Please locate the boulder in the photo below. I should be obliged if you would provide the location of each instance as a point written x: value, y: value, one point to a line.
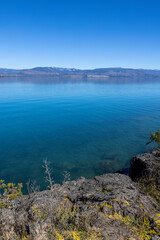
x: 145, y: 165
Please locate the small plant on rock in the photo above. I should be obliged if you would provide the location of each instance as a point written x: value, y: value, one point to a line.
x: 48, y: 173
x: 155, y: 137
x: 9, y: 192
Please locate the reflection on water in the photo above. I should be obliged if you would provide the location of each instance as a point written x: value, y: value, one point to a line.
x: 60, y: 80
x: 87, y: 128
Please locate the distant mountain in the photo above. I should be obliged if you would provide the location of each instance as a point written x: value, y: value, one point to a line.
x: 102, y: 73
x: 8, y: 70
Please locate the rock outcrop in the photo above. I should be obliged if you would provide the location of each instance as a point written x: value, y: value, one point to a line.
x: 145, y: 165
x: 108, y: 207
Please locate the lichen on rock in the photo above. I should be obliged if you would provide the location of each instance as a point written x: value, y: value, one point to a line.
x: 109, y: 207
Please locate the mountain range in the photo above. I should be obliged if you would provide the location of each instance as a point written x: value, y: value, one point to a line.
x: 103, y: 73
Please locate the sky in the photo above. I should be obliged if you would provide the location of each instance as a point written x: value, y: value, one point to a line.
x: 80, y: 34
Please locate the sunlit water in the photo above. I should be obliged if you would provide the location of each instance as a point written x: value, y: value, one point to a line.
x: 85, y: 128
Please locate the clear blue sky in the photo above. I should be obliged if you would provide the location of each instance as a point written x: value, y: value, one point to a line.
x: 81, y: 34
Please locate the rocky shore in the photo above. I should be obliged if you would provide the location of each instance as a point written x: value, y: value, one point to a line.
x: 109, y: 207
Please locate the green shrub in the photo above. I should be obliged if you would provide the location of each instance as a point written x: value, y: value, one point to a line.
x: 155, y: 137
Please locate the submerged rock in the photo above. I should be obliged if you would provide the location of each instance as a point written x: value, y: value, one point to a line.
x: 125, y: 171
x: 104, y: 166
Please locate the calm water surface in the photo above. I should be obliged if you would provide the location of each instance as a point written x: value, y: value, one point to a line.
x: 84, y: 128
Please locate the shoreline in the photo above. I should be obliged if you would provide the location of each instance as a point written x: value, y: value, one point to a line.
x: 105, y: 207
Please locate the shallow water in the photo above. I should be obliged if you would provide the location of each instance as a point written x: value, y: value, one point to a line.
x: 84, y: 128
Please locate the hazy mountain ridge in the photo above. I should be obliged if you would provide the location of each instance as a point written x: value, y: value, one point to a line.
x: 89, y: 73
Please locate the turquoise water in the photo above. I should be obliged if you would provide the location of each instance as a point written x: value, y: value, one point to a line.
x: 84, y: 128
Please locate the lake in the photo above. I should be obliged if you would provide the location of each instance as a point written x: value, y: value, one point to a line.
x: 83, y: 127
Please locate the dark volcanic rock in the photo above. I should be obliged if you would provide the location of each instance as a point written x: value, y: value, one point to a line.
x: 145, y: 165
x: 105, y: 207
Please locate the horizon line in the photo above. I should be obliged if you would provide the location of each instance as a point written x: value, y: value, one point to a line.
x: 128, y: 68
